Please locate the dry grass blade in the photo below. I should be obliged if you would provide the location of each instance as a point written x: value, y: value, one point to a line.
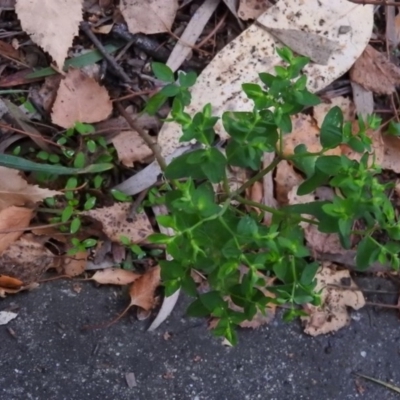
x: 387, y: 385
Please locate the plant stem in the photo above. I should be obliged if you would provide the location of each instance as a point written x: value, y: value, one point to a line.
x: 272, y: 210
x: 257, y: 176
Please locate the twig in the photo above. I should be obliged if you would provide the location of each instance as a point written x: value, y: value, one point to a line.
x: 135, y: 205
x: 144, y: 135
x: 85, y: 26
x: 382, y: 305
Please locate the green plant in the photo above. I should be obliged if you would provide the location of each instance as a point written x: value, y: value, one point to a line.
x: 81, y: 246
x: 217, y: 238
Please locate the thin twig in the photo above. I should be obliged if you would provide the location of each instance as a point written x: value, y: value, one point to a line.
x: 144, y: 135
x: 135, y: 205
x: 85, y: 26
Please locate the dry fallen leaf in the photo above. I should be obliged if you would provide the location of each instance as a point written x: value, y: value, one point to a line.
x: 149, y: 17
x: 373, y: 71
x: 338, y: 292
x: 27, y: 259
x: 117, y: 222
x: 15, y: 191
x: 114, y: 276
x: 142, y: 290
x: 252, y: 9
x: 75, y: 265
x: 13, y: 218
x: 286, y: 178
x: 8, y: 282
x: 51, y: 24
x: 6, y: 317
x: 391, y: 151
x: 131, y: 148
x: 80, y: 99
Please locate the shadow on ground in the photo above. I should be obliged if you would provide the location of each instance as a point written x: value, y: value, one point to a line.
x: 50, y: 357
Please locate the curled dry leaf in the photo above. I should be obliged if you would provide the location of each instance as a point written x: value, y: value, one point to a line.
x: 338, y: 292
x: 80, y: 99
x: 114, y: 276
x: 117, y: 222
x: 8, y: 282
x: 13, y: 218
x: 27, y: 259
x: 142, y: 290
x: 373, y: 71
x: 15, y: 191
x: 149, y: 17
x: 252, y: 9
x: 76, y: 264
x: 51, y: 24
x: 131, y: 148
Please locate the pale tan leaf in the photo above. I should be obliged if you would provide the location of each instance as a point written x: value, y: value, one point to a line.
x: 149, y: 16
x: 15, y: 191
x: 338, y: 292
x: 6, y: 317
x: 27, y: 259
x: 363, y: 100
x: 193, y: 30
x: 116, y: 222
x: 8, y: 282
x: 305, y: 131
x: 373, y: 71
x: 80, y: 99
x: 142, y: 290
x: 13, y: 218
x: 114, y: 276
x: 252, y: 9
x: 131, y: 148
x: 51, y: 24
x: 75, y: 265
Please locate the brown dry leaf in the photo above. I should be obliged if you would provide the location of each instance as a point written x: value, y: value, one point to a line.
x: 80, y: 99
x: 256, y: 194
x: 286, y: 178
x: 305, y: 131
x: 75, y: 265
x: 15, y: 191
x: 338, y: 292
x: 5, y: 291
x: 10, y: 283
x: 344, y: 103
x: 391, y: 151
x: 131, y: 148
x: 142, y: 290
x: 114, y: 276
x: 48, y: 92
x: 375, y: 72
x: 13, y: 218
x: 27, y: 259
x: 252, y: 9
x: 51, y: 24
x: 144, y: 16
x: 117, y: 222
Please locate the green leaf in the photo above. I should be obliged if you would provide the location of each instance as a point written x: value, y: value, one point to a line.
x: 84, y: 129
x: 303, y: 161
x: 159, y: 238
x: 67, y: 213
x: 212, y: 301
x: 331, y: 129
x: 214, y: 166
x: 308, y: 274
x: 81, y: 61
x: 318, y: 179
x: 394, y: 128
x: 197, y: 309
x: 247, y: 226
x: 170, y: 90
x: 79, y: 160
x: 90, y: 203
x: 75, y: 225
x: 162, y: 72
x: 120, y: 196
x: 187, y: 79
x: 367, y: 253
x: 87, y: 243
x: 180, y: 167
x: 155, y: 103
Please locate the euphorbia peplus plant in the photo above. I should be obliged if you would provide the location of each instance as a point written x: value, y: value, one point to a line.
x: 216, y: 237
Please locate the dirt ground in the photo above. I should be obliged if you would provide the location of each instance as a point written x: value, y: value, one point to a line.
x: 46, y: 355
